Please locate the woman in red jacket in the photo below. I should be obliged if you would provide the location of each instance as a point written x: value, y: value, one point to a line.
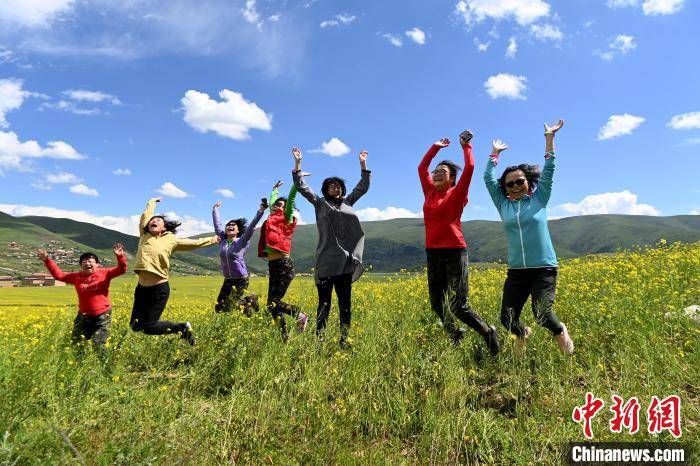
x: 92, y: 286
x: 448, y: 261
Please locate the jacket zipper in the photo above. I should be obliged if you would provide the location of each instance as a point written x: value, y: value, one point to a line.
x: 228, y: 266
x: 520, y: 230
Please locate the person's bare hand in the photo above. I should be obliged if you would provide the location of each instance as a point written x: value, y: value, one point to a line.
x: 118, y: 249
x: 444, y: 142
x: 42, y: 254
x: 551, y: 130
x: 303, y: 174
x: 363, y: 156
x: 278, y: 184
x: 465, y: 137
x: 217, y: 204
x: 296, y: 153
x: 498, y: 146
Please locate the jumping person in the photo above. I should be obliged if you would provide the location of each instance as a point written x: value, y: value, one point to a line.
x: 275, y: 245
x: 157, y: 242
x: 234, y: 240
x: 446, y: 249
x: 92, y: 286
x: 340, y: 242
x: 521, y: 195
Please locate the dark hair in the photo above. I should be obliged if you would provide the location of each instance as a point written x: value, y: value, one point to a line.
x: 453, y: 167
x: 333, y: 179
x: 281, y: 199
x: 87, y: 255
x: 241, y: 223
x: 170, y: 225
x: 532, y: 174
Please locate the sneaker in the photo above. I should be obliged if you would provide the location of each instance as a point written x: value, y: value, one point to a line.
x: 187, y: 334
x: 458, y: 335
x: 491, y: 339
x: 566, y: 346
x: 302, y: 320
x: 520, y: 342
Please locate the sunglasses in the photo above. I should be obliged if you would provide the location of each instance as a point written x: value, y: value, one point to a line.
x: 519, y: 182
x: 437, y: 171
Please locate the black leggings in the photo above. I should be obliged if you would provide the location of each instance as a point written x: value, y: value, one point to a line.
x: 232, y: 295
x: 281, y: 276
x: 149, y: 303
x: 448, y: 285
x: 343, y: 289
x: 541, y: 284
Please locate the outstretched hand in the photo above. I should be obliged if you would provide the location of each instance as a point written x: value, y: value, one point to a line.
x: 303, y: 174
x: 550, y: 130
x: 363, y: 156
x: 498, y: 146
x: 217, y: 205
x: 444, y: 142
x: 118, y: 249
x: 278, y: 184
x: 296, y: 153
x: 42, y: 254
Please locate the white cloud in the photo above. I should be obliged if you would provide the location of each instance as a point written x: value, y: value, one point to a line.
x: 623, y: 202
x: 12, y: 96
x: 169, y: 189
x: 481, y: 46
x: 91, y: 96
x: 370, y: 214
x: 33, y: 13
x: 650, y: 7
x: 685, y: 121
x: 334, y: 147
x: 339, y: 19
x: 522, y: 11
x: 512, y: 48
x: 41, y: 186
x: 619, y: 125
x: 225, y: 192
x: 70, y: 107
x: 694, y: 212
x: 506, y: 85
x: 393, y: 39
x: 416, y: 35
x: 274, y: 18
x: 130, y: 225
x: 622, y: 3
x: 13, y: 152
x: 122, y: 171
x: 250, y: 13
x: 84, y: 190
x: 62, y: 178
x: 618, y: 45
x: 662, y: 7
x: 233, y: 117
x: 546, y: 32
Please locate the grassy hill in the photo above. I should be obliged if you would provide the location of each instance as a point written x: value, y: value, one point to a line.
x: 65, y: 239
x: 390, y: 245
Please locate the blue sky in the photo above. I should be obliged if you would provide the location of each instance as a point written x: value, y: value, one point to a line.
x: 191, y: 97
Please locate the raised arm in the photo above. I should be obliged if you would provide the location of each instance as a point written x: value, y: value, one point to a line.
x: 544, y: 185
x: 147, y: 214
x: 216, y: 218
x: 298, y: 177
x: 250, y: 229
x: 290, y: 206
x: 424, y: 166
x: 490, y: 179
x: 363, y: 185
x: 275, y: 194
x: 120, y: 269
x: 462, y: 188
x: 186, y: 244
x: 55, y: 270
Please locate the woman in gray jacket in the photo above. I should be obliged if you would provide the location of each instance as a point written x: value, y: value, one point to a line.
x: 340, y: 242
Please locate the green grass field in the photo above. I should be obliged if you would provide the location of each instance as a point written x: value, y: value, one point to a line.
x: 402, y: 395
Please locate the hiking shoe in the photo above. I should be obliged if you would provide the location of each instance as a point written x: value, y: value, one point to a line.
x: 566, y: 346
x: 457, y: 335
x: 302, y: 320
x: 491, y: 339
x: 187, y: 334
x: 520, y: 342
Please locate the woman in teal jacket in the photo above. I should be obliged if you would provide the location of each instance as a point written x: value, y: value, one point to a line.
x: 521, y: 195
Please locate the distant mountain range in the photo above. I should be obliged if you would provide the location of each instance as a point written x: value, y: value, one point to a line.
x: 390, y: 245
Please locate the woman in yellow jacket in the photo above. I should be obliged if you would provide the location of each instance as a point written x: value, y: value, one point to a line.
x: 157, y: 241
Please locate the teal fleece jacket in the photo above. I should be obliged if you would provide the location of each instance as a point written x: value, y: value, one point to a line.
x: 525, y: 220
